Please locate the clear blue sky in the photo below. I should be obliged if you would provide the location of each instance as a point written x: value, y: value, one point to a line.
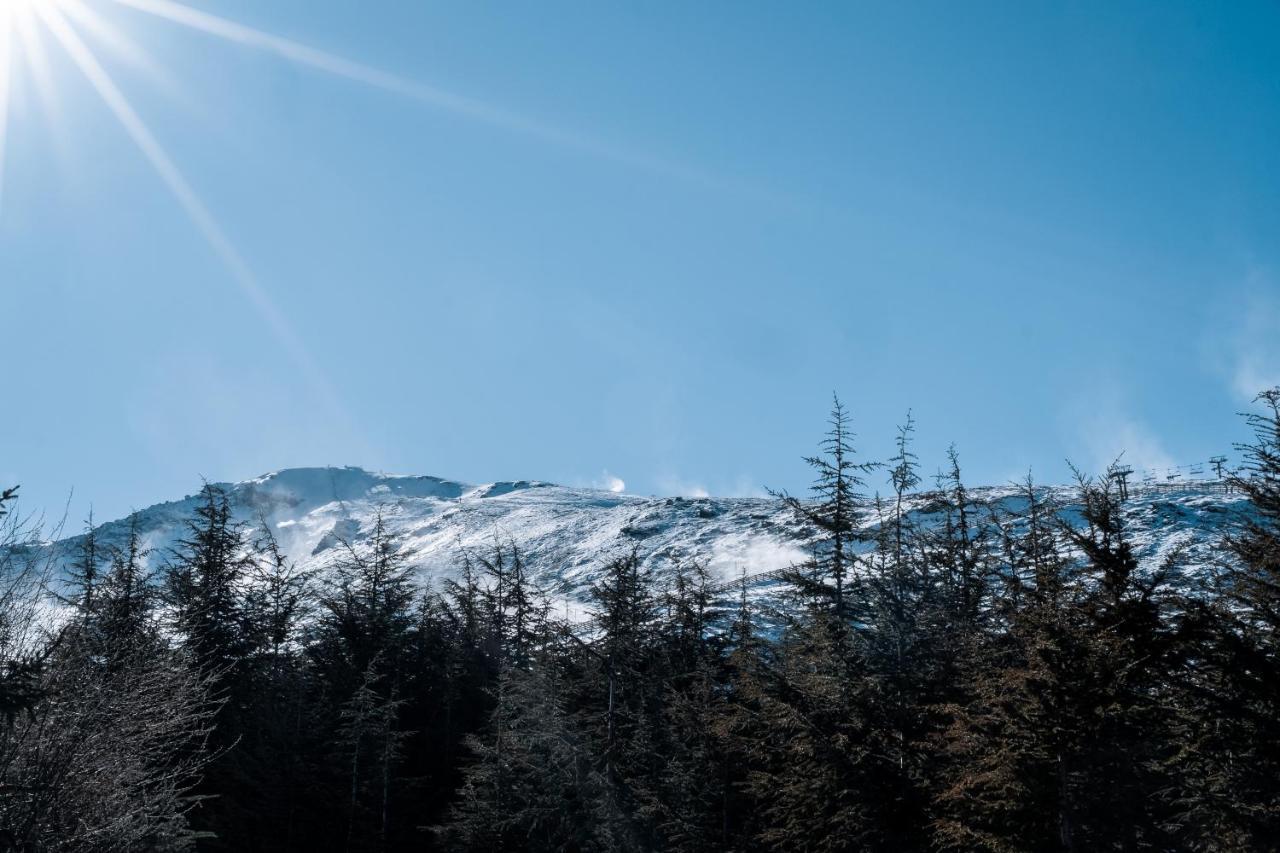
x: 648, y: 240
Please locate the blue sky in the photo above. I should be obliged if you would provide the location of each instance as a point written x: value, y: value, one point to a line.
x: 580, y: 241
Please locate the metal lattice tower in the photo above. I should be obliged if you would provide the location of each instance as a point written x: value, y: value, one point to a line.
x: 1217, y: 462
x: 1121, y: 476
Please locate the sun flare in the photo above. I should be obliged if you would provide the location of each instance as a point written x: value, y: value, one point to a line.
x: 28, y: 28
x: 37, y: 34
x: 17, y: 7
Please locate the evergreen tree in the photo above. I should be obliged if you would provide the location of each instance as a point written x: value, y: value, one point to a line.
x: 532, y: 784
x: 899, y: 645
x: 1231, y: 729
x: 1065, y: 739
x: 366, y: 615
x: 620, y: 704
x: 266, y: 768
x: 372, y: 739
x: 277, y: 599
x: 959, y: 554
x: 741, y: 727
x: 362, y: 651
x: 817, y: 775
x: 205, y: 581
x: 1007, y: 779
x: 515, y: 609
x: 695, y: 799
x: 1128, y: 618
x: 124, y: 614
x: 103, y: 744
x: 205, y: 576
x: 84, y: 573
x: 824, y: 581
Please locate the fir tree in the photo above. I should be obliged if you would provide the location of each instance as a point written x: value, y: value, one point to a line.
x: 824, y: 581
x: 815, y: 777
x: 1232, y: 731
x: 362, y: 649
x: 624, y: 614
x: 83, y: 575
x: 126, y: 598
x: 1007, y: 778
x: 205, y: 576
x: 532, y: 784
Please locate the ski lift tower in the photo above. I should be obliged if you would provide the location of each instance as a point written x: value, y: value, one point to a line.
x: 1121, y: 476
x: 1217, y: 462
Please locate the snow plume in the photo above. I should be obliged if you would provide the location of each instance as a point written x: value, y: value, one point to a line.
x: 1256, y: 347
x: 678, y: 486
x: 753, y: 553
x: 610, y: 483
x: 1239, y: 342
x: 1128, y: 439
x: 741, y: 486
x: 1109, y: 431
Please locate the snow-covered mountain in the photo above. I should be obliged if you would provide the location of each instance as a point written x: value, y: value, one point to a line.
x: 567, y: 534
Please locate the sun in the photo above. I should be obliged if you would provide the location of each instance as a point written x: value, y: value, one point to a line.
x: 13, y: 7
x: 36, y: 34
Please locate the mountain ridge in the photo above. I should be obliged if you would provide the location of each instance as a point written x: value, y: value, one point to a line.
x: 567, y: 533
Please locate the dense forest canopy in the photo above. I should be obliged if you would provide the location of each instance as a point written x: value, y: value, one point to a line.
x: 1000, y: 680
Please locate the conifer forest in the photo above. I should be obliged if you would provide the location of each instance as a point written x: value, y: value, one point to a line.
x: 1002, y: 678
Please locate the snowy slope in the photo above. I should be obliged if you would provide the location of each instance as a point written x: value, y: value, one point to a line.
x: 568, y: 534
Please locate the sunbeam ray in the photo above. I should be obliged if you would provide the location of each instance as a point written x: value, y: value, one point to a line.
x: 115, y: 100
x: 35, y: 58
x: 458, y: 104
x: 94, y: 24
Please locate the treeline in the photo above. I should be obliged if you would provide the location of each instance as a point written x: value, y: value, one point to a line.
x: 997, y: 679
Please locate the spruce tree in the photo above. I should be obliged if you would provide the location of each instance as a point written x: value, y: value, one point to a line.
x: 361, y: 646
x: 274, y: 730
x: 695, y: 796
x: 366, y: 616
x: 126, y: 598
x: 899, y: 646
x: 832, y: 511
x: 204, y: 587
x: 817, y: 776
x: 1128, y: 618
x: 620, y: 705
x: 515, y: 609
x: 1065, y: 739
x: 84, y: 574
x: 1233, y: 733
x: 532, y: 783
x: 1007, y: 779
x: 205, y: 575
